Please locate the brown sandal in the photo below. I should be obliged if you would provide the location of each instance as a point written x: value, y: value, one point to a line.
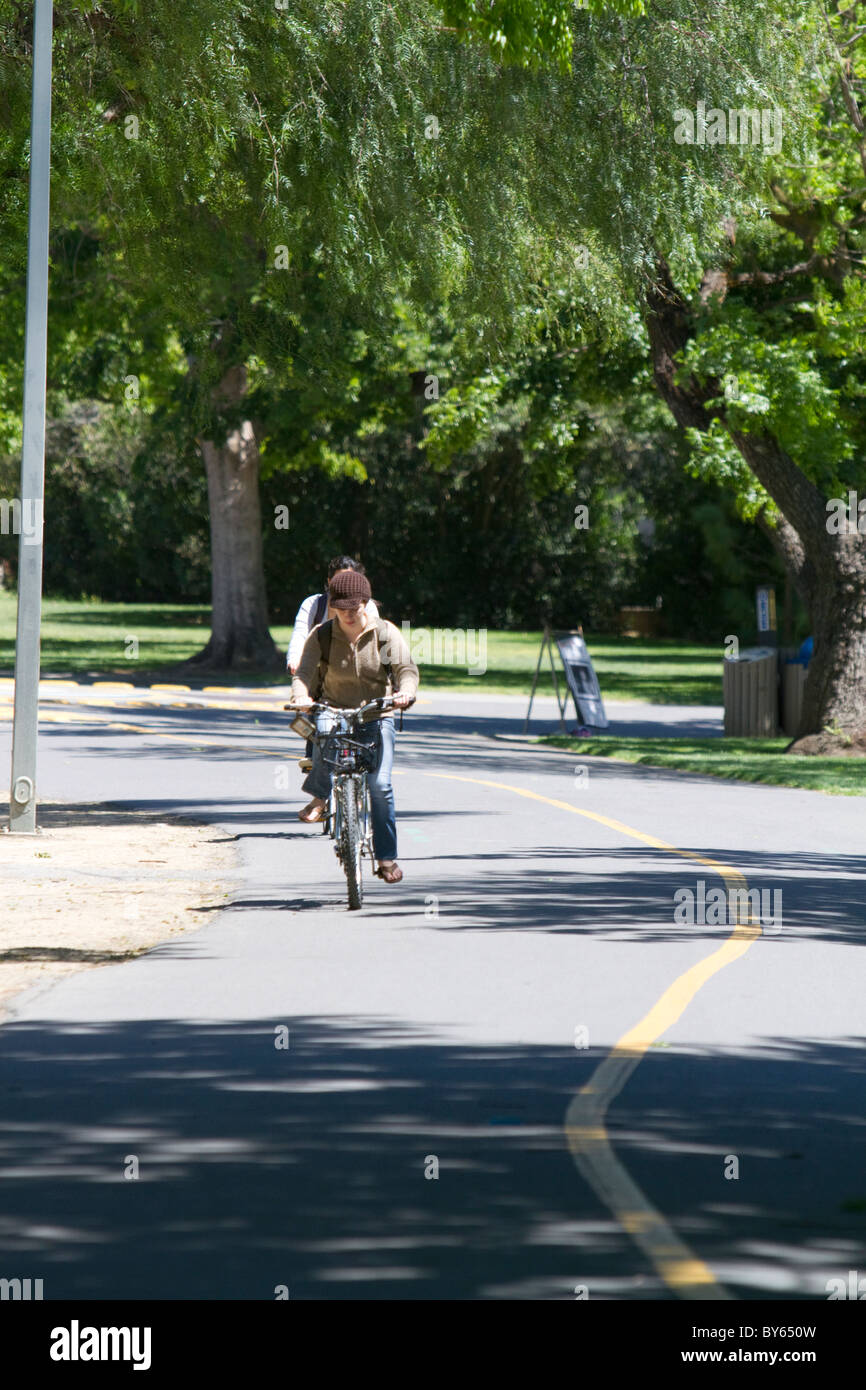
x: 314, y: 811
x: 390, y: 872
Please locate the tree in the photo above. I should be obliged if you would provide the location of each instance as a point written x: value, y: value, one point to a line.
x: 772, y: 376
x: 268, y: 181
x: 253, y: 184
x: 759, y: 284
x: 502, y: 494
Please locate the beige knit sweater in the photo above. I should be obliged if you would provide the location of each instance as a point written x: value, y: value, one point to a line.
x: 355, y: 673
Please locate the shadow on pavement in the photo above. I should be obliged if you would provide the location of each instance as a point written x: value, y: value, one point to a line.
x: 305, y: 1167
x: 479, y: 747
x: 822, y: 897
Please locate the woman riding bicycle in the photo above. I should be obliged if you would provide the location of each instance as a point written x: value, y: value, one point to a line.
x: 365, y: 659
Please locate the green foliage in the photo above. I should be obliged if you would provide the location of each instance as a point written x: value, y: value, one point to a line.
x: 788, y: 335
x: 782, y: 388
x: 489, y: 534
x: 126, y: 517
x: 528, y: 32
x: 237, y: 184
x: 312, y: 128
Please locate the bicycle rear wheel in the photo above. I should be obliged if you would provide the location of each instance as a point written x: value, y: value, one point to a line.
x: 351, y: 841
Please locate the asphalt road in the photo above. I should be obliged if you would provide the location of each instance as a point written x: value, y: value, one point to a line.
x: 619, y: 1105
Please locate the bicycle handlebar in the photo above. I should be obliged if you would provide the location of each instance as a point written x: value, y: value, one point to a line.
x: 381, y: 705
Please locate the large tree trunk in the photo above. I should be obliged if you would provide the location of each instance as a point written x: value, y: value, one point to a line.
x: 835, y: 692
x: 239, y: 621
x: 828, y: 570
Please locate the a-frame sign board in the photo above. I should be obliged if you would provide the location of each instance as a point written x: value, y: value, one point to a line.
x: 547, y: 644
x: 580, y: 678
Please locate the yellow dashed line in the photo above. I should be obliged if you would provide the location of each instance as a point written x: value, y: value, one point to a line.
x: 271, y: 707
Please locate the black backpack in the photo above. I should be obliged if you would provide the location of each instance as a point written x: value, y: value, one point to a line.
x: 325, y: 647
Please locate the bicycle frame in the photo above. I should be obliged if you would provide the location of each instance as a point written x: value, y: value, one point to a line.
x: 351, y: 761
x: 332, y: 824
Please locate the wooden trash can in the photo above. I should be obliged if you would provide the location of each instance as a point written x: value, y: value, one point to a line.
x: 793, y: 683
x: 750, y: 684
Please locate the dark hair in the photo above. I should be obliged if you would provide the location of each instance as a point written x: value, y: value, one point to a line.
x: 344, y: 562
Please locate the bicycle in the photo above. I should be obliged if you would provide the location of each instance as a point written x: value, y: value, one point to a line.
x: 347, y: 817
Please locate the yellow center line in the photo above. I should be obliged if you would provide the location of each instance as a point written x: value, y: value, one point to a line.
x: 585, y: 1128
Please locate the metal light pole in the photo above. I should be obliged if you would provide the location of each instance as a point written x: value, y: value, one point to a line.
x: 22, y: 800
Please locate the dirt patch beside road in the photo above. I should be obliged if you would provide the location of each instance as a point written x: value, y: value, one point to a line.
x: 102, y: 885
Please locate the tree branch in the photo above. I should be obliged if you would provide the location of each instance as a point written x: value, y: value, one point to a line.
x: 669, y: 325
x: 789, y: 548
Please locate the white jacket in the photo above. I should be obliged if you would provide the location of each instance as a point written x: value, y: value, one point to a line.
x: 301, y: 630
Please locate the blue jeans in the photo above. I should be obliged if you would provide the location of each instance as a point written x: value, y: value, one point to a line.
x: 381, y: 735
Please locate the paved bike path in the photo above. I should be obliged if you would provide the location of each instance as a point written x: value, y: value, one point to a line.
x: 436, y: 1030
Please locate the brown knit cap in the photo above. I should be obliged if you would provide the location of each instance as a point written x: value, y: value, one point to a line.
x: 348, y: 588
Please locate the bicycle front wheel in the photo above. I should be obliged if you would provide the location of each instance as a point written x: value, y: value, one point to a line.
x: 351, y: 841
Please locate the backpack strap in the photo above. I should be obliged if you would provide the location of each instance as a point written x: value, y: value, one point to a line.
x: 383, y: 640
x: 325, y: 632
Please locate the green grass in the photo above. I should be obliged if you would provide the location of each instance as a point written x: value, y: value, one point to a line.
x: 743, y: 759
x: 90, y: 638
x: 81, y: 639
x: 657, y: 671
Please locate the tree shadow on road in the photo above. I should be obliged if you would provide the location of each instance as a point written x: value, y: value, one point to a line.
x: 259, y: 1166
x: 628, y: 893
